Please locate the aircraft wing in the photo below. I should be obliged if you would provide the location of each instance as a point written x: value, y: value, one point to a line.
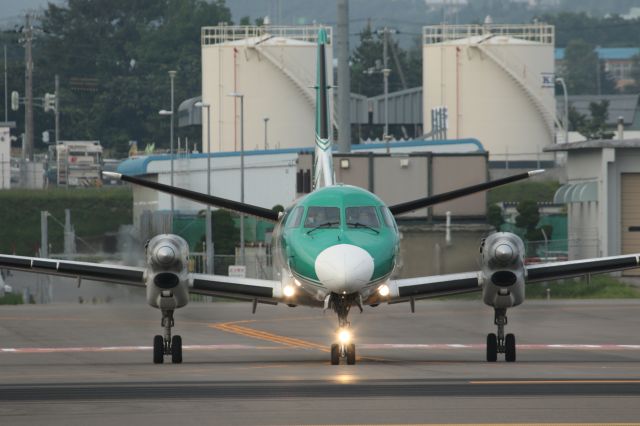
x: 407, y: 289
x: 576, y: 268
x: 117, y: 274
x: 403, y: 290
x: 264, y: 291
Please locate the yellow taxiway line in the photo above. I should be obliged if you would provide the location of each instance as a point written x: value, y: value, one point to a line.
x: 232, y: 327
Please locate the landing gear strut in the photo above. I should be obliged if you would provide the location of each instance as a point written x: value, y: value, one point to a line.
x: 501, y: 344
x: 344, y: 348
x: 167, y: 345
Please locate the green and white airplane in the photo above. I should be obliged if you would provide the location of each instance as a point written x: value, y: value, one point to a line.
x: 335, y: 248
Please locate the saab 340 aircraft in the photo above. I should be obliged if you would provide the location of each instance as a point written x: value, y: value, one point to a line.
x: 336, y: 248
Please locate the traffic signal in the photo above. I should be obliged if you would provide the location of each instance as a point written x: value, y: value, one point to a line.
x: 15, y: 100
x: 49, y: 102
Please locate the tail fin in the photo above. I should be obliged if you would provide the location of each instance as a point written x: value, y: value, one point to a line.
x: 324, y: 174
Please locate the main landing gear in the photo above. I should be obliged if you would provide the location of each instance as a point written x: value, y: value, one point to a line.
x: 167, y: 345
x: 344, y: 348
x: 501, y: 344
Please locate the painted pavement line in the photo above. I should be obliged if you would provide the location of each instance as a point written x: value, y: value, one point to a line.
x: 302, y: 344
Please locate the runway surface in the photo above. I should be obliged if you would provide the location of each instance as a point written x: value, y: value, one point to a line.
x: 578, y: 362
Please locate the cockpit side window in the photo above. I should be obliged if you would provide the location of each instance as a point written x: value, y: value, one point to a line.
x: 295, y: 217
x: 388, y: 218
x: 327, y: 217
x: 362, y: 216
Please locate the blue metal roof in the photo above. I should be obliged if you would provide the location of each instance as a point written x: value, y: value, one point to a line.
x: 607, y: 53
x: 138, y: 165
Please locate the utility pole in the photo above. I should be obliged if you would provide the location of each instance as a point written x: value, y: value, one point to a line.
x: 385, y: 73
x: 344, y: 78
x: 57, y: 108
x: 27, y: 142
x: 6, y: 87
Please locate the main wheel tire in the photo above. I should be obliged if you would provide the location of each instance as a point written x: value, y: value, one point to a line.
x: 351, y: 353
x: 492, y: 347
x: 510, y: 348
x: 158, y: 349
x: 176, y: 349
x: 335, y: 354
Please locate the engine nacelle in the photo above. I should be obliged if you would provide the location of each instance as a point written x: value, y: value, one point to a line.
x: 503, y: 271
x: 167, y: 275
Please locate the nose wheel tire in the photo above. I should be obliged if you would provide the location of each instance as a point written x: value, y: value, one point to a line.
x: 335, y: 354
x: 176, y: 349
x: 158, y: 350
x: 492, y: 347
x: 351, y: 353
x: 510, y: 348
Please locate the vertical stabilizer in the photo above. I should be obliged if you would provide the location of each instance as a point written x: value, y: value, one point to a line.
x: 324, y: 175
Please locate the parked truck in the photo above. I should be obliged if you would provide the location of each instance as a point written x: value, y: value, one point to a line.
x: 74, y: 163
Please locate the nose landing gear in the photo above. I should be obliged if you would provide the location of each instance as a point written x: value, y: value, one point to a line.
x: 344, y: 348
x: 501, y: 344
x: 167, y: 345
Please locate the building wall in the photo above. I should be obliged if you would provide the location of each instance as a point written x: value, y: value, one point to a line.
x: 424, y: 251
x: 267, y: 182
x: 595, y: 227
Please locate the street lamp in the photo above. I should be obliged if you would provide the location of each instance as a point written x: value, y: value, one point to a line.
x: 241, y: 96
x: 566, y: 108
x: 164, y: 112
x: 266, y: 120
x: 209, y: 230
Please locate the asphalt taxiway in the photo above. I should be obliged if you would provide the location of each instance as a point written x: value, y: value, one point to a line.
x: 84, y: 363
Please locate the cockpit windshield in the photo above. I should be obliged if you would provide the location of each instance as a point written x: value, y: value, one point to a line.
x: 365, y: 217
x: 326, y: 217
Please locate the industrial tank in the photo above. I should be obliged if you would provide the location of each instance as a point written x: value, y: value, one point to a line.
x: 497, y: 83
x: 274, y: 69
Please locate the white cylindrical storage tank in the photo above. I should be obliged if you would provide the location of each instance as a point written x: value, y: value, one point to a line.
x: 274, y: 69
x: 497, y: 83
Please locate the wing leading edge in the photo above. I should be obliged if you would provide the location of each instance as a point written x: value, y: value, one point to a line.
x: 408, y: 289
x: 265, y: 291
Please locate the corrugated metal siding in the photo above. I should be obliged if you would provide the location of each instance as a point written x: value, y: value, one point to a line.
x: 630, y: 200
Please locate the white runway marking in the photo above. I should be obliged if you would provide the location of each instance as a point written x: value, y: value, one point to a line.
x: 420, y: 346
x: 121, y: 349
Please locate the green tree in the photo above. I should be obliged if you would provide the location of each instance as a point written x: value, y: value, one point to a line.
x: 595, y: 126
x: 113, y: 60
x: 494, y: 216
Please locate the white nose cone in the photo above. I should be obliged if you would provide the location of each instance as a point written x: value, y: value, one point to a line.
x: 344, y: 268
x: 504, y: 253
x: 165, y: 255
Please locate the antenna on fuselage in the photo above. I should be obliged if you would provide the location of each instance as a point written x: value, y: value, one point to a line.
x: 324, y: 174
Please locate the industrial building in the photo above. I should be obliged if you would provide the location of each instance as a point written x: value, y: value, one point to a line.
x: 602, y: 195
x: 271, y: 176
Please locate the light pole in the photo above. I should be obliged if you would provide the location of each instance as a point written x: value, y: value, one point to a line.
x: 566, y: 108
x: 266, y: 120
x: 209, y: 230
x: 170, y: 113
x: 241, y: 96
x: 172, y: 76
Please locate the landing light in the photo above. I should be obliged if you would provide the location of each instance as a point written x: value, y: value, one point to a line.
x: 383, y: 290
x: 344, y: 336
x: 289, y: 291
